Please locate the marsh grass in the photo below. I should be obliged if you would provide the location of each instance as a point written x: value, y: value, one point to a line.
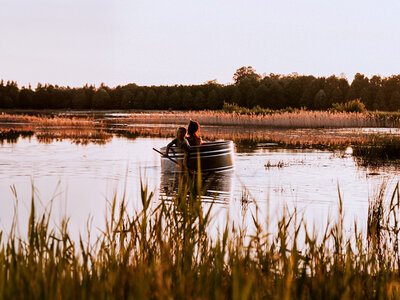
x: 289, y: 129
x: 277, y: 119
x: 378, y: 150
x: 165, y: 251
x: 47, y: 120
x: 12, y: 135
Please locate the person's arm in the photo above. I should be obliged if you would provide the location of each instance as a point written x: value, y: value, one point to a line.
x: 169, y: 146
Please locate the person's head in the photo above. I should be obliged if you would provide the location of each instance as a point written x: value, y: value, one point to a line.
x: 180, y: 133
x: 193, y: 127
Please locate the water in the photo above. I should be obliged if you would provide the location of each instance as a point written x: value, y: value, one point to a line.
x: 78, y: 181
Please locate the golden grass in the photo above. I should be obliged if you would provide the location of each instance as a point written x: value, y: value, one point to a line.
x: 46, y: 121
x: 77, y: 136
x: 303, y: 129
x: 165, y: 251
x: 300, y: 119
x: 306, y: 138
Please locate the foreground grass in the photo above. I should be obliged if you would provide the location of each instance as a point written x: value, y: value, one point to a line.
x: 167, y: 253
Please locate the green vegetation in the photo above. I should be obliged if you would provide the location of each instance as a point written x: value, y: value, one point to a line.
x: 271, y: 92
x: 256, y: 110
x: 379, y: 150
x: 165, y: 251
x: 350, y: 106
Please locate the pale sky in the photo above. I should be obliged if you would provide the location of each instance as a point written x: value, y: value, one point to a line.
x: 166, y: 42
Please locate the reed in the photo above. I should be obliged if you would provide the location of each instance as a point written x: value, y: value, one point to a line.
x: 48, y: 121
x: 165, y: 251
x: 279, y: 119
x: 289, y: 118
x: 378, y: 150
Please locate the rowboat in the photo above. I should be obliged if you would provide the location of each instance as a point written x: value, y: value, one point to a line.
x: 209, y: 157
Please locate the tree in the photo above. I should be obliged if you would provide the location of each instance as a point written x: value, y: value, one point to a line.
x: 199, y: 100
x: 358, y: 88
x: 101, y: 99
x: 163, y: 99
x: 379, y: 101
x: 80, y: 99
x: 150, y: 101
x: 127, y: 99
x: 262, y: 93
x: 395, y: 101
x: 320, y: 100
x: 246, y: 74
x: 7, y: 102
x: 187, y: 101
x: 212, y: 100
x: 140, y: 99
x: 26, y: 98
x: 274, y: 96
x: 173, y: 100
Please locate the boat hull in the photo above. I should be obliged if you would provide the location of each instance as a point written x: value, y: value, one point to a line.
x: 208, y: 157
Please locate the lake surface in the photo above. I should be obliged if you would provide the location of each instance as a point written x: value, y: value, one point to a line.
x: 77, y: 181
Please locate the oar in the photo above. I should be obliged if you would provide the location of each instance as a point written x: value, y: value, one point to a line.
x: 171, y: 159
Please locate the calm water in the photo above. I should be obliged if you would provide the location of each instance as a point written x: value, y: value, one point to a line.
x: 77, y: 181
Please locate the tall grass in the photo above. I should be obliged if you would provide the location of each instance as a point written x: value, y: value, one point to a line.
x: 232, y: 115
x: 46, y: 120
x: 378, y: 150
x: 279, y: 119
x: 165, y: 251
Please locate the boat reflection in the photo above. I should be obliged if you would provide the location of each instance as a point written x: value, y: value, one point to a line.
x: 215, y: 187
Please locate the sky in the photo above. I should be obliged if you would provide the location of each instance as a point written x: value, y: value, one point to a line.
x: 160, y: 42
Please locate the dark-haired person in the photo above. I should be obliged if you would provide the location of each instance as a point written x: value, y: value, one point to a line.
x: 181, y: 142
x: 193, y: 132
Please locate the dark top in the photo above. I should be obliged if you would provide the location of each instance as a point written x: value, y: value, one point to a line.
x: 194, y: 140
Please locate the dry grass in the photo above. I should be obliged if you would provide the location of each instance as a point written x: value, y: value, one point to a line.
x: 165, y: 251
x: 300, y: 119
x: 306, y: 138
x: 46, y: 121
x: 77, y: 136
x: 302, y: 129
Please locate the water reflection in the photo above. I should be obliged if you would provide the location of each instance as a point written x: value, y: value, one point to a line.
x: 216, y: 188
x: 268, y: 175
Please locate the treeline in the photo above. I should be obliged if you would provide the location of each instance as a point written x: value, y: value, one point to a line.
x: 248, y: 90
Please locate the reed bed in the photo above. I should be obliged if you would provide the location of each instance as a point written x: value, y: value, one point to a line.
x: 53, y: 121
x: 81, y: 136
x: 306, y: 138
x: 297, y: 119
x: 378, y: 150
x: 287, y: 138
x: 165, y: 251
x: 12, y: 135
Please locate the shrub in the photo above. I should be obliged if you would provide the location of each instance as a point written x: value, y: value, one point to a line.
x: 351, y: 106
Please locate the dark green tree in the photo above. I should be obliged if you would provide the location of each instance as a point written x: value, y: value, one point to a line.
x: 101, y: 99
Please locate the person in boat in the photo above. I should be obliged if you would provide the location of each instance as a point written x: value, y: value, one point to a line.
x: 181, y: 142
x: 193, y: 131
